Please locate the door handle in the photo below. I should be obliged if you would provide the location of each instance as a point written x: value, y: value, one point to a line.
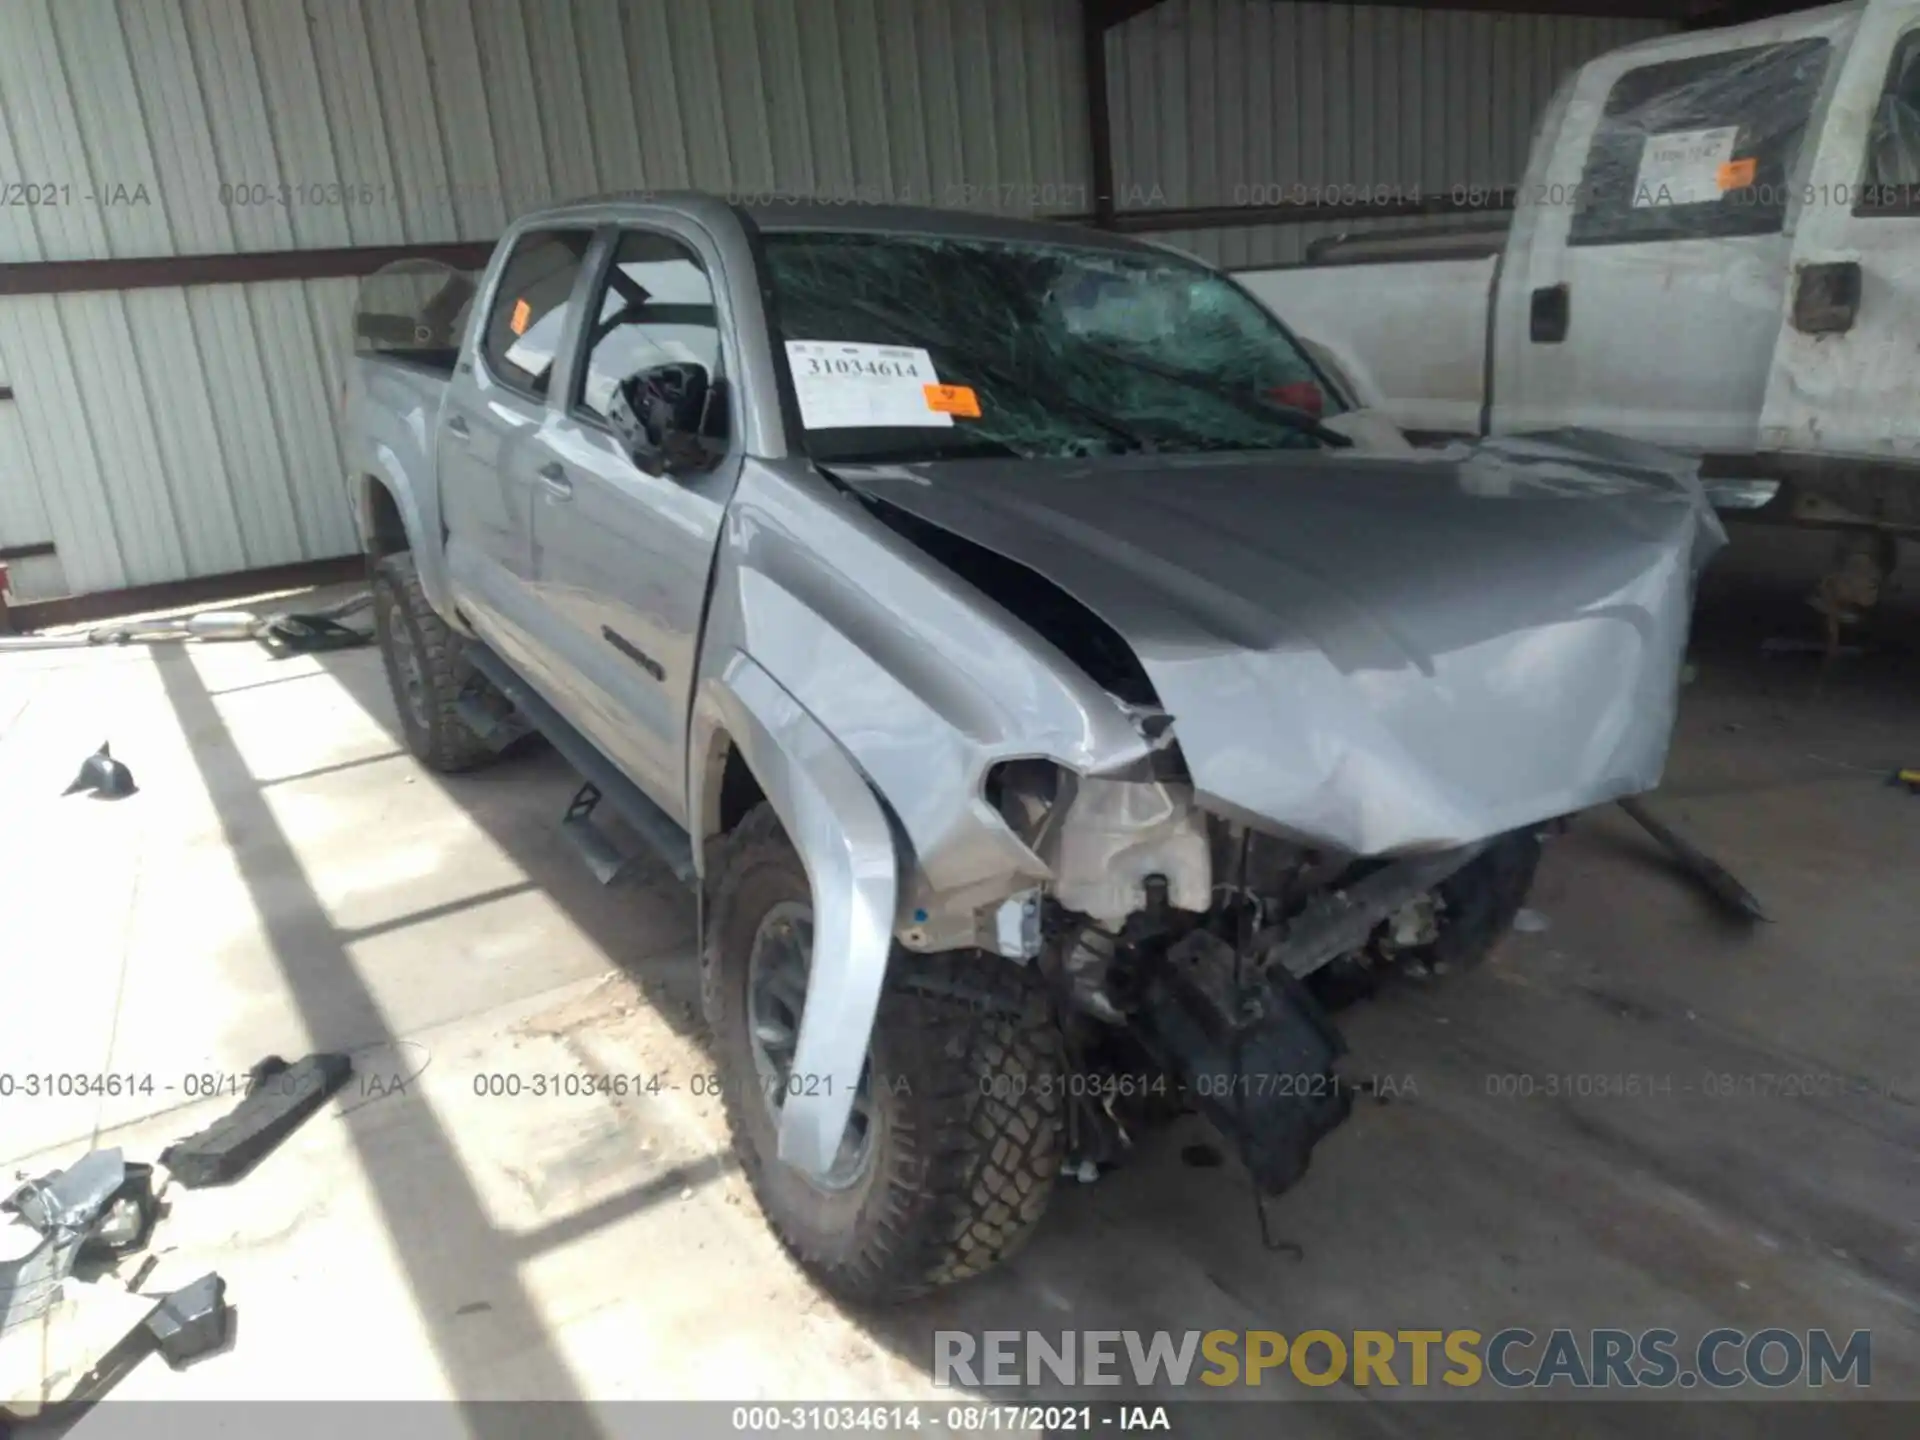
x: 1549, y: 313
x: 1826, y: 297
x: 554, y: 477
x: 458, y: 428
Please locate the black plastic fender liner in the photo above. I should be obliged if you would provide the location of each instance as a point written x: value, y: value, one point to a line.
x: 279, y: 1098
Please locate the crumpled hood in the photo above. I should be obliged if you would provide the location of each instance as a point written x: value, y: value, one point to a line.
x: 1380, y: 654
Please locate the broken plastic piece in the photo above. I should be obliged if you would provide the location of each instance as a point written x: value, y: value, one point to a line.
x: 301, y: 634
x: 129, y: 1217
x: 32, y: 1266
x: 69, y: 1199
x: 66, y: 1209
x: 103, y: 775
x: 192, y: 1320
x: 279, y: 1097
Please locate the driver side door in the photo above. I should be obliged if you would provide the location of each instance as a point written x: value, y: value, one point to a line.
x: 621, y: 557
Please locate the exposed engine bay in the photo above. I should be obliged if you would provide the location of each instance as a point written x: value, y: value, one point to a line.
x: 1194, y: 959
x: 1351, y: 753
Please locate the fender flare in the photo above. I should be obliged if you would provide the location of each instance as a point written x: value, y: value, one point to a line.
x: 385, y: 470
x: 846, y: 843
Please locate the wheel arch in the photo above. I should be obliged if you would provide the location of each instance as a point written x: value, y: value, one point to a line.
x: 383, y: 525
x: 392, y: 519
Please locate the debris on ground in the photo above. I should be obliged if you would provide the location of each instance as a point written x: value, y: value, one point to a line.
x: 97, y: 1203
x: 1531, y: 922
x: 304, y: 634
x: 192, y: 1321
x: 68, y: 1331
x: 279, y: 1097
x: 105, y: 776
x: 1910, y: 779
x: 1714, y: 877
x: 30, y: 1269
x: 283, y: 634
x: 64, y: 1338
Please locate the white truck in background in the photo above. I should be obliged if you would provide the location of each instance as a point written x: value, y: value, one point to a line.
x: 1715, y: 248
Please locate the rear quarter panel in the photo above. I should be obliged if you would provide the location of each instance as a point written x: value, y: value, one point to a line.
x: 388, y: 434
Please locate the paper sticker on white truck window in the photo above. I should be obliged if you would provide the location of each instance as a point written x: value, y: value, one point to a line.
x: 1683, y: 167
x: 843, y: 385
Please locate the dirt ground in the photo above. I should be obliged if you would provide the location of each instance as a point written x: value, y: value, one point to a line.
x: 288, y: 880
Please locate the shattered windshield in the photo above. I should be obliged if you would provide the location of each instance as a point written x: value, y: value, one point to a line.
x: 912, y: 347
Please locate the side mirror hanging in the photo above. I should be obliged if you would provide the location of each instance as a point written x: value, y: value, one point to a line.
x: 660, y: 416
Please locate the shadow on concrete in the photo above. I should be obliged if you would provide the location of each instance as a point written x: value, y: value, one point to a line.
x: 447, y: 1248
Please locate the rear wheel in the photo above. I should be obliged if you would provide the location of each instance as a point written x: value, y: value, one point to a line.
x: 426, y: 668
x: 950, y: 1156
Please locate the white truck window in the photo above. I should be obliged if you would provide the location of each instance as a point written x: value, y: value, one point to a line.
x: 656, y: 308
x: 1699, y: 147
x: 529, y: 312
x: 1891, y: 184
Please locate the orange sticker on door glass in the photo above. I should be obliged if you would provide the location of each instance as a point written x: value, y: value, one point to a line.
x: 522, y: 313
x: 1738, y: 174
x: 953, y: 400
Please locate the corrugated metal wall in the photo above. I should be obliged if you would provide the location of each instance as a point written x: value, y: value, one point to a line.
x: 167, y: 433
x: 160, y: 434
x: 1232, y: 102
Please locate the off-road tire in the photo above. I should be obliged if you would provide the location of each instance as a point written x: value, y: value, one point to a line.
x: 1482, y: 899
x: 440, y: 740
x: 969, y: 1110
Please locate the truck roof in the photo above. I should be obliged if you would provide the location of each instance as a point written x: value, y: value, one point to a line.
x: 786, y: 216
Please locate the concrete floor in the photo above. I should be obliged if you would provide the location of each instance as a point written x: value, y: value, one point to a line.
x: 289, y: 880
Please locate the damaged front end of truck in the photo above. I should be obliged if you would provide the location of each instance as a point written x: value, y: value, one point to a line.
x: 1201, y: 742
x: 1115, y: 703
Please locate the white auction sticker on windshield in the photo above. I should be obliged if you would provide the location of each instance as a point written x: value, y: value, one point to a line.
x: 1683, y: 167
x: 844, y: 385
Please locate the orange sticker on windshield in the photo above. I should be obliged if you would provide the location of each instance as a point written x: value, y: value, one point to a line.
x: 1738, y: 174
x: 522, y: 313
x: 953, y: 400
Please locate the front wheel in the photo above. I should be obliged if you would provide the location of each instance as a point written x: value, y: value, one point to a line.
x: 955, y: 1139
x: 1484, y: 896
x: 1477, y: 907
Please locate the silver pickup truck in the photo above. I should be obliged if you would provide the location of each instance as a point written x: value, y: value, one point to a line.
x: 1054, y: 688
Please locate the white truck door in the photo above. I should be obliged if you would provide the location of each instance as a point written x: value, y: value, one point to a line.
x: 1409, y: 334
x: 1845, y: 380
x: 1644, y: 282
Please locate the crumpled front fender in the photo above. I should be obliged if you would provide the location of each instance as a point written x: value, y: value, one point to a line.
x: 846, y: 844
